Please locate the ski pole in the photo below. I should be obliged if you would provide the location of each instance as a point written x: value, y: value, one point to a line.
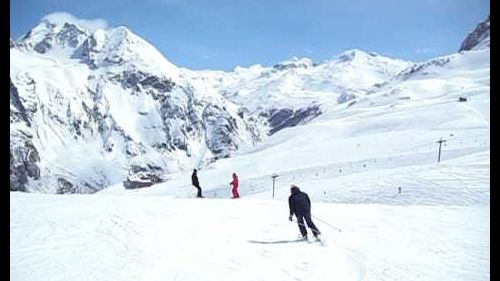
x: 331, y: 226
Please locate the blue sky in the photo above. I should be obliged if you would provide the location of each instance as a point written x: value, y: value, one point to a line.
x: 222, y: 34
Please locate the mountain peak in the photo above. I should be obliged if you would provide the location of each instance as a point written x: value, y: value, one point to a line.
x: 295, y: 62
x: 352, y: 54
x: 66, y: 19
x: 480, y: 35
x: 60, y: 31
x: 120, y: 46
x: 49, y: 35
x: 64, y: 36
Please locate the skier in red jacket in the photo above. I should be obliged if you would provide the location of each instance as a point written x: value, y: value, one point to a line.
x: 234, y: 183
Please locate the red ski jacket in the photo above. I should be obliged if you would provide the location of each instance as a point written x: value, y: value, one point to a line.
x: 235, y: 182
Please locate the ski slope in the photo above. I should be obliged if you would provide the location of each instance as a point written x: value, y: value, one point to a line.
x: 112, y: 237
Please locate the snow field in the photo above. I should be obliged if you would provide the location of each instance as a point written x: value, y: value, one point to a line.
x: 108, y: 237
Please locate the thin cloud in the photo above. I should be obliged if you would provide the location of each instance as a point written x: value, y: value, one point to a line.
x: 63, y: 17
x: 425, y: 51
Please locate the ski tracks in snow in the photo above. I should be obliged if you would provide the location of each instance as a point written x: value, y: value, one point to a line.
x: 207, y: 248
x: 107, y: 237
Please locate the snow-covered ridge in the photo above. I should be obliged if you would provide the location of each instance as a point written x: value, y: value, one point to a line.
x: 300, y: 83
x: 295, y: 63
x: 479, y: 38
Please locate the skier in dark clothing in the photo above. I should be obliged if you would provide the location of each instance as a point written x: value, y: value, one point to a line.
x: 196, y: 183
x: 300, y: 205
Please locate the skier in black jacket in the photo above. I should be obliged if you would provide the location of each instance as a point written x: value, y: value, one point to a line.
x: 300, y: 205
x: 196, y: 183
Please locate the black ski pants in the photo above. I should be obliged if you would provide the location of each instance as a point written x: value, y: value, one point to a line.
x: 199, y: 190
x: 310, y: 224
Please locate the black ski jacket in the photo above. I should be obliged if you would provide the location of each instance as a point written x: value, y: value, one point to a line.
x: 194, y: 179
x: 299, y: 203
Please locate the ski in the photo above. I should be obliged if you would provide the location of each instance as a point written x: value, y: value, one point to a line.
x: 320, y: 241
x: 313, y: 241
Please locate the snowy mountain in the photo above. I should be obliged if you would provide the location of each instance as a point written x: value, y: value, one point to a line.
x: 92, y: 107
